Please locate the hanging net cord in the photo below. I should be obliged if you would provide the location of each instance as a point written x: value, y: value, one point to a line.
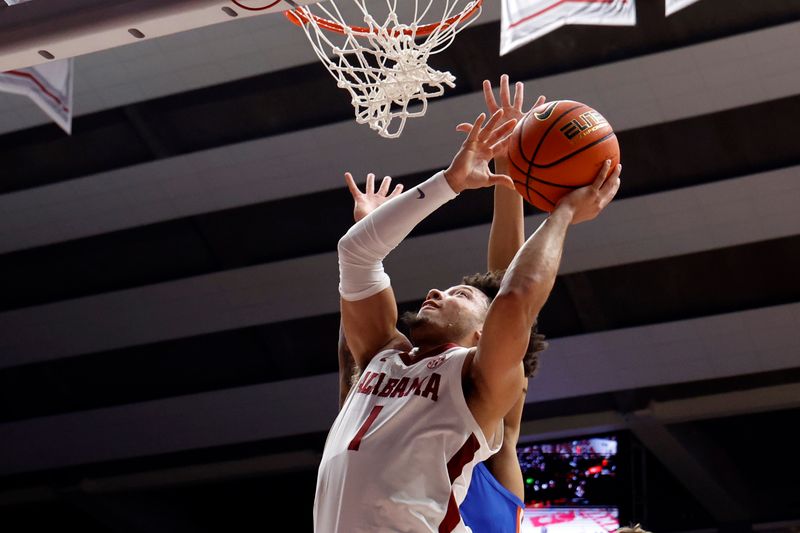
x: 384, y: 66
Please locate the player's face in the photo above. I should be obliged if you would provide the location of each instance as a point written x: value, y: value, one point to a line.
x: 457, y: 304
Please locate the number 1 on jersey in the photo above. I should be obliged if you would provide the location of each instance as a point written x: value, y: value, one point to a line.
x: 356, y: 442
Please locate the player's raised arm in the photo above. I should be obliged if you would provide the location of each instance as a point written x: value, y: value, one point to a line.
x: 508, y: 230
x: 508, y: 227
x: 523, y: 292
x: 369, y: 309
x: 364, y: 203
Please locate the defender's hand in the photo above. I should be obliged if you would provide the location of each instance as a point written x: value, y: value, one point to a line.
x: 366, y: 202
x: 510, y: 109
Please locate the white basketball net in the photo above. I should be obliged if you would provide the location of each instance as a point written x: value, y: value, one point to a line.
x: 384, y: 66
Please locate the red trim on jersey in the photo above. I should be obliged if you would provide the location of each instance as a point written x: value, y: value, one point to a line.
x: 410, y: 360
x: 455, y: 466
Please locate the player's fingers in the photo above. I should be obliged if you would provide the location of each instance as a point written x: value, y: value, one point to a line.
x: 398, y: 189
x: 609, y: 192
x: 384, y: 188
x: 465, y: 127
x: 501, y: 133
x: 491, y: 125
x: 616, y: 173
x: 351, y: 184
x: 369, y: 188
x: 612, y: 181
x: 488, y: 96
x: 476, y: 127
x: 602, y: 175
x: 502, y: 180
x: 505, y: 92
x: 519, y: 95
x: 539, y: 101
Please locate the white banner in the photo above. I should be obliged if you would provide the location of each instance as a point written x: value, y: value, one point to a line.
x: 49, y: 85
x: 522, y: 21
x: 677, y: 5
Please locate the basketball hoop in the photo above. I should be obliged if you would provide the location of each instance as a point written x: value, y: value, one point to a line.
x: 384, y: 65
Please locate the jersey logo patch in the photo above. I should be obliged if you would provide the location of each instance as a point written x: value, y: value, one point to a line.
x: 436, y: 363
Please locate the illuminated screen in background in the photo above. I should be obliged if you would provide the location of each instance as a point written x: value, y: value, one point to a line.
x: 571, y: 486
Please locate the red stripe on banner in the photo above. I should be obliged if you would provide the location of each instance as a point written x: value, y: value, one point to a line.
x: 38, y: 84
x: 454, y: 468
x: 555, y: 5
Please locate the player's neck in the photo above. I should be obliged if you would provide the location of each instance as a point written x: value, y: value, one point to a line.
x: 426, y: 343
x: 423, y: 349
x: 428, y: 336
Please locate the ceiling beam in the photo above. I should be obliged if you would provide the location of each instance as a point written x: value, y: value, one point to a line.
x: 734, y: 403
x: 135, y: 513
x: 578, y: 366
x: 650, y: 424
x: 146, y: 132
x: 711, y: 492
x: 69, y: 28
x: 569, y: 426
x: 655, y: 226
x: 633, y: 93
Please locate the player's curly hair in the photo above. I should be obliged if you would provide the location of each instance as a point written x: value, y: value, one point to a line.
x: 489, y: 284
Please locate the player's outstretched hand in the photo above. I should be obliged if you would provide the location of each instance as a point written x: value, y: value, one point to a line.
x: 511, y: 109
x: 470, y: 166
x: 587, y: 202
x: 366, y: 202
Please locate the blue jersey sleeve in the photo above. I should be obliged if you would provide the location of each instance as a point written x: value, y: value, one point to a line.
x: 489, y: 507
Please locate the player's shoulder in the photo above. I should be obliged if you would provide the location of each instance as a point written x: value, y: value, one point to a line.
x: 393, y: 348
x: 469, y: 356
x: 399, y: 344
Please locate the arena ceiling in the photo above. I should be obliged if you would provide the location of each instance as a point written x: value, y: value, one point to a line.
x: 168, y: 315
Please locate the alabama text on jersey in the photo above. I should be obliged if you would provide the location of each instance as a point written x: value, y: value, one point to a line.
x: 400, y: 455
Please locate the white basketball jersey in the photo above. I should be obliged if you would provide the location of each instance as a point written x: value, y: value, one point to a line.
x: 400, y: 455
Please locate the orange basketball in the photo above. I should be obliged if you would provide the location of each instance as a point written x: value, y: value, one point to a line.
x: 558, y: 147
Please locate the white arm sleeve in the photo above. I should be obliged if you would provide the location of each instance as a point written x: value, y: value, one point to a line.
x: 369, y: 241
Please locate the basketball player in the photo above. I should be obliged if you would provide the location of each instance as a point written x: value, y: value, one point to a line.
x: 429, y: 407
x: 495, y: 497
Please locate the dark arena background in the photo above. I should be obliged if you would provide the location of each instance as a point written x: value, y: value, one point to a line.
x: 168, y: 280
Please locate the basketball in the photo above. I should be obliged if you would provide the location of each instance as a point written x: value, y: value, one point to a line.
x: 557, y: 147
